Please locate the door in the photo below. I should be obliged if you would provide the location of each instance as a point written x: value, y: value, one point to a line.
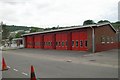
x: 83, y: 41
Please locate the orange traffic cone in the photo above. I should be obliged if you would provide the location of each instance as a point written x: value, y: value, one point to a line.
x: 33, y: 77
x: 4, y: 66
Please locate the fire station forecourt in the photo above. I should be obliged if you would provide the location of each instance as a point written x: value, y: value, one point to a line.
x: 61, y: 63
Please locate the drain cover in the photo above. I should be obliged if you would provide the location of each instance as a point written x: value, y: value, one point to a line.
x: 93, y: 60
x: 69, y: 61
x: 100, y: 55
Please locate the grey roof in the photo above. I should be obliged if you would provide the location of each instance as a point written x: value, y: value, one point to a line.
x: 70, y: 28
x: 17, y: 38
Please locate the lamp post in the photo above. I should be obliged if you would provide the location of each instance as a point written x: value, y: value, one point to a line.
x: 1, y: 32
x: 93, y: 39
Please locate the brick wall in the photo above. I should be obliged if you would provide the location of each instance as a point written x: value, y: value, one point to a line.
x: 107, y: 32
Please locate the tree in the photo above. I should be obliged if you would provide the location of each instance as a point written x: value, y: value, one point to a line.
x: 53, y: 28
x: 18, y: 35
x: 87, y: 22
x: 5, y: 32
x: 10, y: 40
x: 118, y: 22
x: 34, y: 30
x: 103, y: 21
x: 47, y: 29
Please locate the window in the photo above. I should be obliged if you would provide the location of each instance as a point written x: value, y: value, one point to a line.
x: 37, y: 43
x: 30, y: 43
x: 86, y: 43
x: 108, y: 39
x: 102, y: 40
x: 116, y: 38
x: 40, y: 43
x: 76, y: 43
x: 56, y: 43
x: 50, y: 43
x: 59, y: 43
x: 72, y: 43
x: 81, y: 43
x: 112, y: 40
x: 62, y: 43
x: 66, y: 43
x: 47, y: 43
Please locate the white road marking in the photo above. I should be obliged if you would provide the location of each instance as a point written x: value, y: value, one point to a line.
x: 15, y: 69
x: 8, y: 66
x: 24, y: 73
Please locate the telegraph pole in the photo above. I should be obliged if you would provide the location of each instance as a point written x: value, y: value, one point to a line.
x: 1, y: 33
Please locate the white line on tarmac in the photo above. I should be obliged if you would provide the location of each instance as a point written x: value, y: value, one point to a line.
x: 15, y: 69
x: 8, y: 66
x: 24, y: 73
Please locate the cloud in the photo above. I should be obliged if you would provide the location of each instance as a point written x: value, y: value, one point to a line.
x: 56, y: 12
x: 13, y: 2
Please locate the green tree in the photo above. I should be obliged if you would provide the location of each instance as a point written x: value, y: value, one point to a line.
x: 87, y: 22
x: 18, y: 35
x: 5, y: 32
x: 53, y: 28
x: 103, y: 21
x: 118, y: 22
x: 32, y: 30
x: 35, y: 29
x: 116, y: 25
x: 47, y: 29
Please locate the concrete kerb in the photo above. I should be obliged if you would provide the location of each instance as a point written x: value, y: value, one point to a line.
x: 5, y: 49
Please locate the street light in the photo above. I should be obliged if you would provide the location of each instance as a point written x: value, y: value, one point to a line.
x: 1, y: 32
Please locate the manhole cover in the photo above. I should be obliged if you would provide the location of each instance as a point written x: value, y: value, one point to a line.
x: 100, y: 55
x: 69, y: 61
x: 93, y: 60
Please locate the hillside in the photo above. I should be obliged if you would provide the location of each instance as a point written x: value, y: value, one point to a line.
x: 12, y: 28
x: 116, y: 25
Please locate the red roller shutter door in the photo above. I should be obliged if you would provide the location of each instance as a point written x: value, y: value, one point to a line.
x: 83, y: 41
x: 75, y: 37
x: 58, y: 41
x: 64, y: 41
x: 29, y: 42
x: 79, y: 41
x: 49, y: 41
x: 45, y: 42
x: 37, y: 41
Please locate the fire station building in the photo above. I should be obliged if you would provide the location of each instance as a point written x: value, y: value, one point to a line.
x: 92, y: 38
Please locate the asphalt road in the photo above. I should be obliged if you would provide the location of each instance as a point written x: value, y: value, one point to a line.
x: 53, y: 64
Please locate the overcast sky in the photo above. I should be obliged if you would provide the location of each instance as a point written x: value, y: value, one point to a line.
x: 49, y: 13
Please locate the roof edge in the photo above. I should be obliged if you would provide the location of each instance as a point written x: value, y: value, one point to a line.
x: 107, y: 23
x: 91, y: 25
